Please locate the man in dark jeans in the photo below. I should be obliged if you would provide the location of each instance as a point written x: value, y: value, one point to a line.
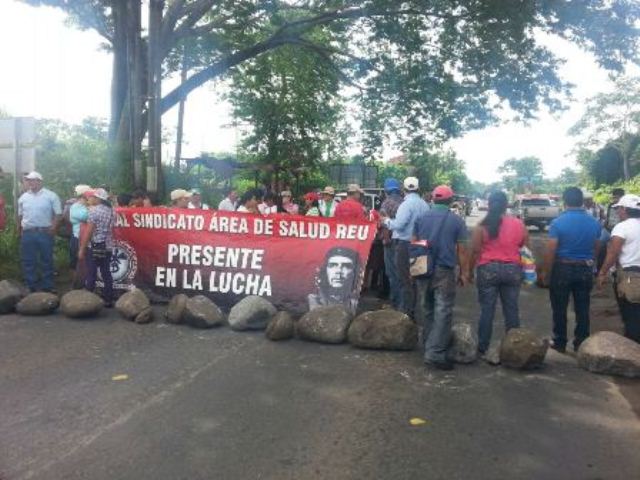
x: 447, y: 234
x: 572, y: 247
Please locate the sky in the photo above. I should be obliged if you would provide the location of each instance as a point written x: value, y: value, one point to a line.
x: 51, y: 70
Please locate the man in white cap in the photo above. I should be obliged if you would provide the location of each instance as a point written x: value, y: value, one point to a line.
x: 196, y: 200
x: 351, y: 208
x: 39, y: 213
x: 327, y: 203
x: 412, y: 208
x: 624, y: 254
x: 180, y: 198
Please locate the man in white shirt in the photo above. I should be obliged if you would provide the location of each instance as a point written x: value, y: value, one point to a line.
x: 624, y: 253
x: 327, y: 204
x: 229, y: 203
x: 39, y: 212
x: 268, y: 205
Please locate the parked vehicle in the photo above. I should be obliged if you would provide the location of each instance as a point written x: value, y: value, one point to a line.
x: 536, y: 210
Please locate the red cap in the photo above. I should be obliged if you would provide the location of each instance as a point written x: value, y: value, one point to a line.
x: 442, y: 192
x: 312, y: 196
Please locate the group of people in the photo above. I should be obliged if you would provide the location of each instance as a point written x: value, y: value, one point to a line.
x: 491, y: 254
x: 91, y: 217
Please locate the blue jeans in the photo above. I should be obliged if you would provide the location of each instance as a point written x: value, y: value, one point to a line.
x: 405, y: 281
x: 570, y: 280
x: 503, y: 280
x: 436, y: 296
x: 36, y: 247
x: 392, y: 275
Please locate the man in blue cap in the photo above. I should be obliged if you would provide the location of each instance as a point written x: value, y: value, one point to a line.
x: 388, y: 209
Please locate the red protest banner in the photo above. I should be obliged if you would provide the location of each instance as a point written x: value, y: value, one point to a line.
x: 293, y: 261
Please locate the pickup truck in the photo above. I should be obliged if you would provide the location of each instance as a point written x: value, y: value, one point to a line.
x: 538, y: 211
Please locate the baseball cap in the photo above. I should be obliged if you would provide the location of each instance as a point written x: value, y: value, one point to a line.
x: 391, y: 184
x: 33, y: 176
x: 442, y: 192
x: 81, y: 189
x: 354, y: 187
x: 329, y: 190
x: 411, y: 183
x: 100, y: 193
x: 179, y: 193
x: 629, y: 201
x: 311, y: 196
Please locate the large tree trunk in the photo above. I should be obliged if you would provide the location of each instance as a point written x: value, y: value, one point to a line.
x: 180, y: 129
x: 155, y: 95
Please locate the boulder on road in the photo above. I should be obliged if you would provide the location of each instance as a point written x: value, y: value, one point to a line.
x: 383, y: 330
x: 80, y: 304
x: 39, y: 303
x: 324, y: 324
x: 610, y: 353
x: 281, y: 327
x: 175, y: 310
x: 11, y: 292
x: 200, y: 312
x: 251, y: 313
x: 132, y: 303
x: 523, y: 349
x: 145, y: 316
x: 464, y: 344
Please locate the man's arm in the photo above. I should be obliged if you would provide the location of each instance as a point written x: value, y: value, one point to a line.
x: 614, y: 248
x: 403, y: 217
x: 84, y: 240
x: 549, y: 257
x: 57, y: 214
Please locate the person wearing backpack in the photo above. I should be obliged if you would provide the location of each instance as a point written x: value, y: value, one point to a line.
x: 445, y: 234
x: 495, y: 249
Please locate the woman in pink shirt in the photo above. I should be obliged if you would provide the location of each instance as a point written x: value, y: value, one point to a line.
x: 495, y: 248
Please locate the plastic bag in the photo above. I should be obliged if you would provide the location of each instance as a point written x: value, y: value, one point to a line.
x: 528, y: 263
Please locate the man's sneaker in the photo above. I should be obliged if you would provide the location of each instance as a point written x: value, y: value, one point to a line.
x: 558, y: 348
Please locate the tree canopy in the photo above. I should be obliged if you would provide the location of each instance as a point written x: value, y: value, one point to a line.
x: 422, y: 70
x: 521, y: 174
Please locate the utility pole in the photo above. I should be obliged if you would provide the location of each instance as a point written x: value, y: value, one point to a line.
x: 155, y: 94
x: 180, y: 129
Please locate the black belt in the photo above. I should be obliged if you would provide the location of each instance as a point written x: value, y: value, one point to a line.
x: 571, y: 261
x: 36, y: 229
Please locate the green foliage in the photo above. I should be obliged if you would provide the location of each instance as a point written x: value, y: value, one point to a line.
x: 521, y: 174
x: 609, y: 133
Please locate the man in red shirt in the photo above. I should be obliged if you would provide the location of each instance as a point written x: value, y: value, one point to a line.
x: 351, y: 208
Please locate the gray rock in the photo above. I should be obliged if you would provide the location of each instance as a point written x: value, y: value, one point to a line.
x: 175, y: 310
x: 80, y: 304
x: 130, y: 304
x: 464, y: 344
x: 39, y: 303
x: 200, y: 312
x: 324, y: 324
x: 251, y: 313
x: 145, y: 316
x: 610, y: 353
x: 11, y: 292
x: 523, y: 349
x: 383, y: 330
x: 281, y: 327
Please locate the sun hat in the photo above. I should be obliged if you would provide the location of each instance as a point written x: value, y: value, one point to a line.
x: 329, y: 190
x: 100, y: 193
x: 411, y: 184
x: 179, y: 193
x: 442, y: 192
x: 311, y: 196
x: 80, y: 190
x: 353, y: 188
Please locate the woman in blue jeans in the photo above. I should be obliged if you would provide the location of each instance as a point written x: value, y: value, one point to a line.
x: 495, y: 247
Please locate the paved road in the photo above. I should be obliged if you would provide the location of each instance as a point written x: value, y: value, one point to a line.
x: 222, y: 405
